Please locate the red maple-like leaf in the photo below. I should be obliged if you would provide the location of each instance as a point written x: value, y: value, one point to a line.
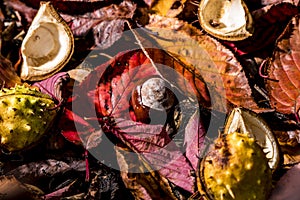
x: 102, y: 101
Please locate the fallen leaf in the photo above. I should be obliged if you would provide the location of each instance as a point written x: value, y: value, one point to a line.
x: 54, y: 85
x: 283, y: 71
x: 106, y: 92
x: 163, y: 7
x: 205, y: 57
x: 11, y: 188
x: 106, y: 22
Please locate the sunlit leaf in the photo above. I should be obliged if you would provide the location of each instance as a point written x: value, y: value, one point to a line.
x: 222, y: 73
x: 163, y: 7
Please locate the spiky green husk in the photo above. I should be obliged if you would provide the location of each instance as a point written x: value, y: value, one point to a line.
x: 236, y: 168
x: 25, y: 116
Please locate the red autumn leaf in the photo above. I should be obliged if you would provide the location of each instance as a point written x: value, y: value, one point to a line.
x: 119, y: 80
x: 102, y: 99
x: 284, y: 71
x: 155, y: 147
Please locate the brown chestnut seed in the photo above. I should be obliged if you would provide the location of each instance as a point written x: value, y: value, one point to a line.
x: 152, y: 100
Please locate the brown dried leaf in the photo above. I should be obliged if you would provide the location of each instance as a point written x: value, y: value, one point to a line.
x: 34, y: 171
x: 11, y: 188
x: 8, y: 75
x: 284, y: 71
x: 205, y: 56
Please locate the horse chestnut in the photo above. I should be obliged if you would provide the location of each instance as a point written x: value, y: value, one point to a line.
x: 152, y: 101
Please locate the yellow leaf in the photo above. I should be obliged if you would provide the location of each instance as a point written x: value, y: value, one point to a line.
x: 163, y: 7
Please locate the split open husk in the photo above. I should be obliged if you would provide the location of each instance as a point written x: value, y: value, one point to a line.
x: 248, y: 122
x: 47, y: 46
x: 226, y: 19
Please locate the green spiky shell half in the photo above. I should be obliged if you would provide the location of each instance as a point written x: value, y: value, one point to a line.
x: 26, y: 115
x: 235, y: 168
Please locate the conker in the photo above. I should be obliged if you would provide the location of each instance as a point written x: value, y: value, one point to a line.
x: 152, y: 101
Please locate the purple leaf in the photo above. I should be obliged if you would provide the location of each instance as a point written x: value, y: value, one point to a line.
x: 194, y: 139
x: 53, y: 86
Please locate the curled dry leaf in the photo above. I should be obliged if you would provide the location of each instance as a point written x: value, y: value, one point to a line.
x: 284, y: 71
x: 39, y: 171
x: 47, y: 46
x: 227, y: 20
x: 205, y: 57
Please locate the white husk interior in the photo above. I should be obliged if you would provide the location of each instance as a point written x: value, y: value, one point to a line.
x: 46, y: 46
x: 223, y: 17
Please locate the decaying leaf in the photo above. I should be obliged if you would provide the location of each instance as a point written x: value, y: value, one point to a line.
x: 227, y: 20
x: 205, y: 57
x: 284, y: 71
x: 289, y: 145
x: 47, y: 46
x: 107, y: 184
